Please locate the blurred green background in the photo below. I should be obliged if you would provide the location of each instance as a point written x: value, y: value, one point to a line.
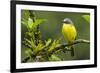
x: 52, y: 29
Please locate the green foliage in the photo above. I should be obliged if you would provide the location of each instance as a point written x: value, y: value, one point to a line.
x: 48, y: 42
x: 28, y: 53
x: 30, y: 23
x: 32, y: 39
x: 53, y: 45
x: 33, y: 25
x: 86, y: 17
x: 38, y: 48
x: 54, y: 58
x: 38, y: 22
x: 25, y: 16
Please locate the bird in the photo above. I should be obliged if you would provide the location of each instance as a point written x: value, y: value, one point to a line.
x: 69, y: 32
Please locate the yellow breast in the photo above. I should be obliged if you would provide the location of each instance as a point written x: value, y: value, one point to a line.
x: 69, y: 32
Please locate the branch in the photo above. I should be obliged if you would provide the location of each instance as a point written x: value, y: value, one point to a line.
x: 75, y: 42
x: 60, y: 46
x: 66, y: 44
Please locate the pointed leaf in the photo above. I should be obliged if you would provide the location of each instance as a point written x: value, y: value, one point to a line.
x: 54, y: 58
x: 86, y: 17
x: 30, y: 23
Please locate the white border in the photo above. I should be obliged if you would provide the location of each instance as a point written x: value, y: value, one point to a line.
x: 20, y: 65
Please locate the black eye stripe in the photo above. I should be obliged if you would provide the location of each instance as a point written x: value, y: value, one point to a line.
x: 67, y: 22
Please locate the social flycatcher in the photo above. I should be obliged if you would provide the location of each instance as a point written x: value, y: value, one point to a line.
x: 69, y: 32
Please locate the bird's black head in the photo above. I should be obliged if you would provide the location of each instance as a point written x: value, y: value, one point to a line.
x: 67, y: 21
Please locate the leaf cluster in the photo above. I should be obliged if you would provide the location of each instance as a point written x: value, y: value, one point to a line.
x: 38, y: 49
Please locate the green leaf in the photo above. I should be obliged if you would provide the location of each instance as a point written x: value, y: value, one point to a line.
x: 54, y: 58
x: 48, y: 42
x: 39, y: 47
x: 29, y: 52
x: 24, y: 17
x: 25, y: 14
x: 86, y: 17
x: 28, y: 41
x: 38, y: 22
x: 30, y: 23
x: 33, y: 25
x: 33, y: 44
x: 53, y: 45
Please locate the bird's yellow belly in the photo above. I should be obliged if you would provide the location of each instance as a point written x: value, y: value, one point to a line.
x: 69, y: 32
